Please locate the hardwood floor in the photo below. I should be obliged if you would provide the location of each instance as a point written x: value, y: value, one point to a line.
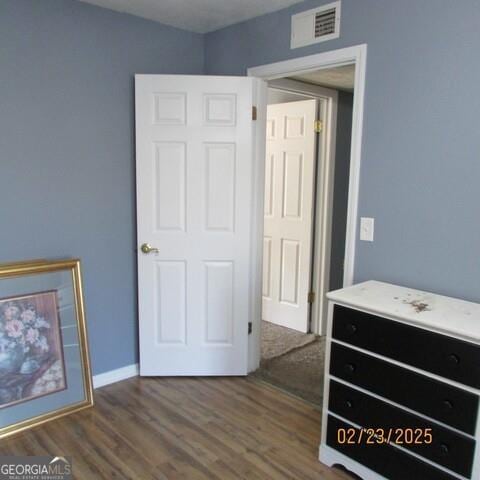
x: 185, y: 428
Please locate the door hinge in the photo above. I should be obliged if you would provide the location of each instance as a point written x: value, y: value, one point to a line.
x: 254, y: 113
x: 311, y: 297
x: 250, y: 326
x: 318, y: 126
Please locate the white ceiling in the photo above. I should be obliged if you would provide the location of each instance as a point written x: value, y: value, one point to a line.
x: 200, y: 16
x: 342, y: 78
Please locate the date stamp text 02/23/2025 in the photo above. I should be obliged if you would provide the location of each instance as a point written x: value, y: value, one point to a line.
x: 378, y: 436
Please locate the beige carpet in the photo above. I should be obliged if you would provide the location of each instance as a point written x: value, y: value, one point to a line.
x: 277, y: 340
x: 297, y: 367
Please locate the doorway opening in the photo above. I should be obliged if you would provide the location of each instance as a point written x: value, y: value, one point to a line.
x: 308, y: 214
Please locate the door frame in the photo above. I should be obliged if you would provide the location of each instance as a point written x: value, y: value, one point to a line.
x: 356, y: 55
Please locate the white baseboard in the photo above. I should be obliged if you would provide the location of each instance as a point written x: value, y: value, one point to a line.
x: 113, y: 376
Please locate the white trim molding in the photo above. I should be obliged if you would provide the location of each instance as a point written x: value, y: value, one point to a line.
x: 356, y: 55
x: 116, y: 375
x: 256, y: 267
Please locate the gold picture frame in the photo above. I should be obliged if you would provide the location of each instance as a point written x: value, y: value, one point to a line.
x: 24, y: 286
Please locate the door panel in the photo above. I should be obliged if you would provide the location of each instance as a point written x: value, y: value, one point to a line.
x: 219, y: 294
x: 289, y: 272
x: 292, y: 185
x: 220, y: 182
x: 194, y: 195
x: 170, y: 188
x: 289, y: 195
x: 267, y: 267
x: 269, y: 184
x: 170, y: 308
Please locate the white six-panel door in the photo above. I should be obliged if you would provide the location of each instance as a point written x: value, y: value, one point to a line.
x: 194, y: 196
x: 289, y: 202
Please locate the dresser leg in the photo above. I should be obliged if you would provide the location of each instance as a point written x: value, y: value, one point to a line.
x: 330, y: 457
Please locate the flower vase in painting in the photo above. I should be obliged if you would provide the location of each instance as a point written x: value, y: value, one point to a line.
x: 31, y: 351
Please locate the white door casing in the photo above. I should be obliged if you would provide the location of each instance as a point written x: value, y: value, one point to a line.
x: 356, y: 55
x: 289, y: 201
x: 194, y: 144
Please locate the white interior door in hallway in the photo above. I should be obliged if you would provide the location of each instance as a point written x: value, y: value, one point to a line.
x: 289, y: 207
x: 195, y: 187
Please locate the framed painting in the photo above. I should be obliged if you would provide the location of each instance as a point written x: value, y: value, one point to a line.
x: 44, y: 361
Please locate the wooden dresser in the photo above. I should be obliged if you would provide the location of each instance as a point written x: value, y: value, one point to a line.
x: 402, y: 384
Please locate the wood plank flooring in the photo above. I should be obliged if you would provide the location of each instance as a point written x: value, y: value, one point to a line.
x: 185, y: 428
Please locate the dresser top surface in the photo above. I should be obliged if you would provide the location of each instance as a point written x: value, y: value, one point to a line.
x: 424, y: 309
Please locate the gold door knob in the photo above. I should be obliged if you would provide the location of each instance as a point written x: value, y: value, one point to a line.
x: 147, y: 248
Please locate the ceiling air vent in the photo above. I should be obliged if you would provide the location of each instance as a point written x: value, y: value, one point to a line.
x: 316, y: 25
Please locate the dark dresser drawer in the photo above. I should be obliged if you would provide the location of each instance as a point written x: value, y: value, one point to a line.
x: 385, y: 460
x: 447, y: 448
x: 435, y: 399
x: 445, y: 356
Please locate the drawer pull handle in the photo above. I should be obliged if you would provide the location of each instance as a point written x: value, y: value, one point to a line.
x: 348, y: 403
x: 444, y: 449
x: 351, y: 328
x: 448, y: 405
x: 453, y: 360
x: 349, y: 368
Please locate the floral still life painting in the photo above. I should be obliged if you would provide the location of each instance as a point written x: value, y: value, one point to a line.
x: 31, y: 351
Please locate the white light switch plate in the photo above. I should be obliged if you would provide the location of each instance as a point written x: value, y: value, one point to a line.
x: 367, y: 228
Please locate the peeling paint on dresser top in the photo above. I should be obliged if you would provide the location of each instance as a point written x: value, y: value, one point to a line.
x: 444, y: 314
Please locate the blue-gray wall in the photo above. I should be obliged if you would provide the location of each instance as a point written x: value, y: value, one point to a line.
x: 67, y: 183
x: 420, y: 171
x: 340, y: 188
